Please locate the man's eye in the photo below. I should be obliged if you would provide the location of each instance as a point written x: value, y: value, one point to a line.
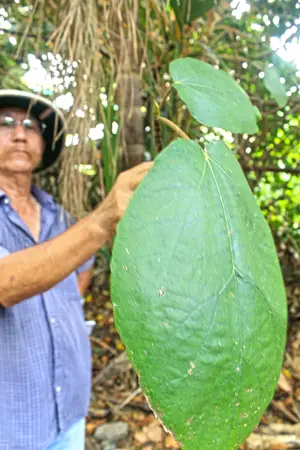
x: 7, y: 122
x: 31, y: 125
x: 28, y: 124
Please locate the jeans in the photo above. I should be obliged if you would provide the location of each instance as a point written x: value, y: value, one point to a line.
x: 72, y: 439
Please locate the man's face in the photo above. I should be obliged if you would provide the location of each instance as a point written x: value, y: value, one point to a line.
x: 21, y: 148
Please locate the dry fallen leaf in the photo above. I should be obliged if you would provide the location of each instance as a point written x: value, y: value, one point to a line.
x: 264, y: 420
x: 279, y: 446
x: 140, y: 437
x: 138, y: 416
x: 90, y: 427
x: 170, y: 442
x: 296, y: 364
x: 284, y: 384
x: 154, y: 432
x: 297, y: 394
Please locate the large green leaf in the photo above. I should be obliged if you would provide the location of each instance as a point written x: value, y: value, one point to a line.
x: 212, y: 96
x: 198, y: 296
x: 188, y: 10
x: 274, y: 86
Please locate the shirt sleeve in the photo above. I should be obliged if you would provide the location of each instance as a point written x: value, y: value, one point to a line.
x: 3, y: 252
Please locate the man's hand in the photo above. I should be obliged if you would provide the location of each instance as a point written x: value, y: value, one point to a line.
x: 115, y: 204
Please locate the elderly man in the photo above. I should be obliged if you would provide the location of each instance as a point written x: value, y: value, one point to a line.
x: 45, y: 266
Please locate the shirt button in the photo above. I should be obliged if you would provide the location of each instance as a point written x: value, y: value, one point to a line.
x: 52, y: 320
x: 58, y: 388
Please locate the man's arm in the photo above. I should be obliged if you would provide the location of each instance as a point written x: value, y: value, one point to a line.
x: 28, y: 272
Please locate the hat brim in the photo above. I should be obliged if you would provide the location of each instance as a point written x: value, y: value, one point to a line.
x: 44, y: 111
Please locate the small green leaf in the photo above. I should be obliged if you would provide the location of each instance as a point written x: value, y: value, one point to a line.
x: 274, y: 86
x: 212, y: 96
x: 257, y: 113
x: 198, y: 296
x: 188, y: 10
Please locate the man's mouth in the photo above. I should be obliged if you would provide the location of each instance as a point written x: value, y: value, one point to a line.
x: 20, y: 151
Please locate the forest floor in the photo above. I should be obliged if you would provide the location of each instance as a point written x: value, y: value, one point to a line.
x: 116, y: 396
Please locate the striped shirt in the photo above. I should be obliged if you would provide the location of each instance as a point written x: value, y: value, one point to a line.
x: 44, y: 347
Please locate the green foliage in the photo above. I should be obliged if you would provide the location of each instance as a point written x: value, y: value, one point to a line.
x: 274, y: 86
x: 212, y: 96
x: 240, y: 45
x: 188, y: 10
x: 109, y: 146
x: 194, y: 264
x: 215, y: 278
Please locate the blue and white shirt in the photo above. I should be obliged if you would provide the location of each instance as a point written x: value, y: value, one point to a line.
x: 45, y: 369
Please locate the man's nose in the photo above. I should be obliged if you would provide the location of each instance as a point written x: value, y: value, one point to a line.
x: 19, y: 133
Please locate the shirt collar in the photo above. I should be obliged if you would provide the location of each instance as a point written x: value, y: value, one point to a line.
x: 42, y: 197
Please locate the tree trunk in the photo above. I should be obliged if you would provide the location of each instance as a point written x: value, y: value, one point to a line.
x: 132, y: 122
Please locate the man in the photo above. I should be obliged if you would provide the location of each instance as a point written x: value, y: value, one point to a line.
x: 44, y: 270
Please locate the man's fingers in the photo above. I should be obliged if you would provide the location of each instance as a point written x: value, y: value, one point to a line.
x: 135, y: 181
x: 138, y: 173
x: 142, y: 167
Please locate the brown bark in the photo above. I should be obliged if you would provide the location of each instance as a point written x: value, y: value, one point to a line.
x: 132, y: 132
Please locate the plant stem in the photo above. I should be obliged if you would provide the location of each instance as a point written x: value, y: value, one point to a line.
x: 167, y: 93
x: 174, y: 127
x: 263, y: 169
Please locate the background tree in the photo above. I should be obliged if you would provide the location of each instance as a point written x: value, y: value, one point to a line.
x: 107, y: 63
x: 122, y: 50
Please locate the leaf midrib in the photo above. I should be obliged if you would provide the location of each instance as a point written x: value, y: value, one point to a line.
x: 236, y: 293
